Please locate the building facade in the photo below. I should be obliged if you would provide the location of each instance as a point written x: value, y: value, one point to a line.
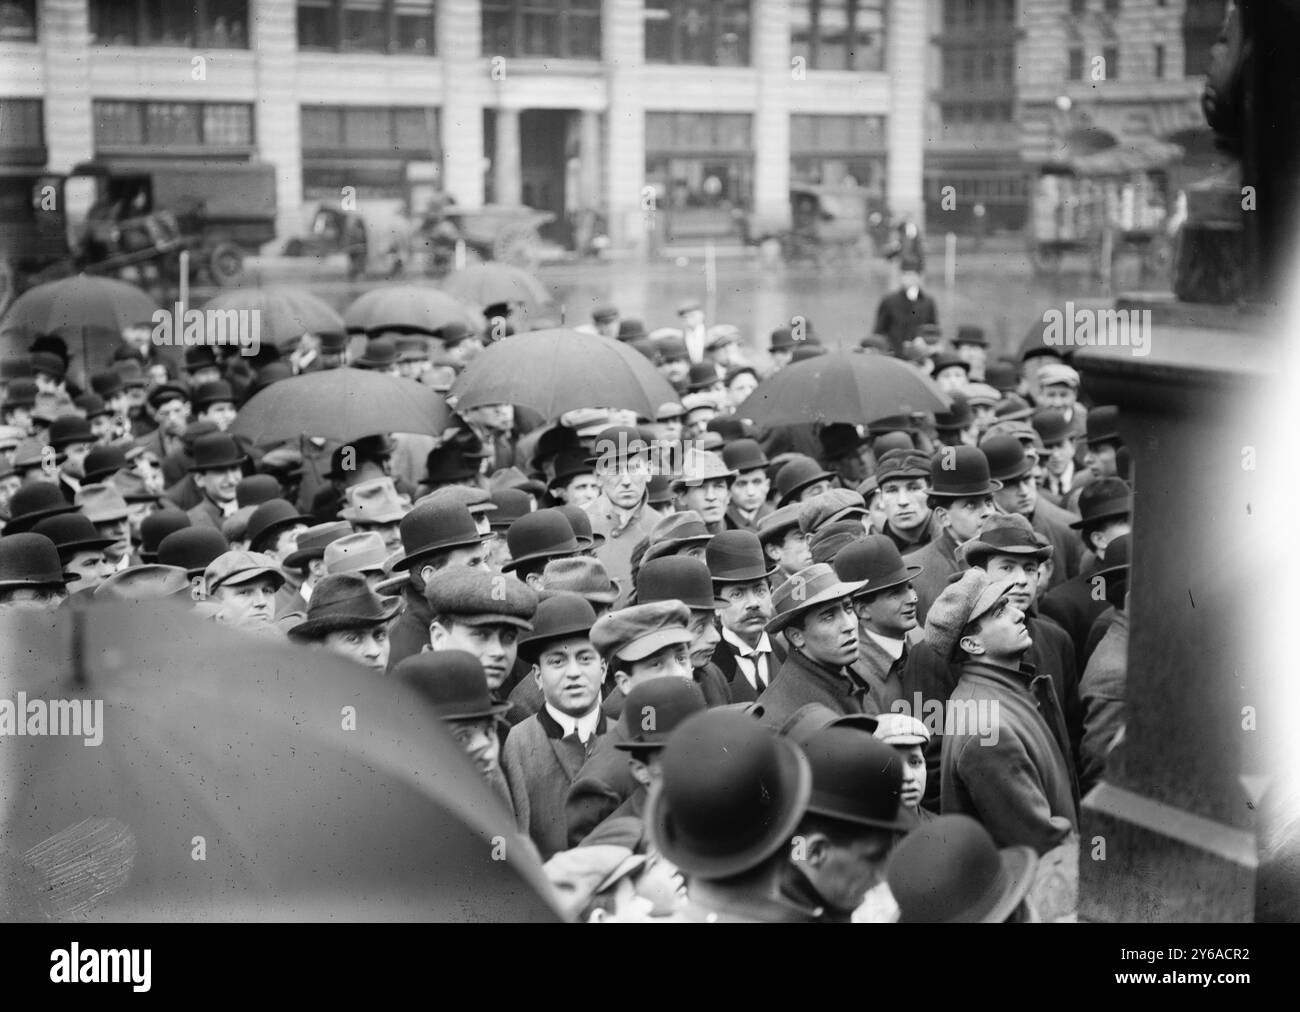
x: 671, y: 119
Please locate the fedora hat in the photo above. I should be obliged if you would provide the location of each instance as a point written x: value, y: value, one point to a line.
x: 314, y: 540
x: 957, y: 472
x: 699, y: 466
x: 374, y: 502
x: 1102, y: 425
x: 1103, y: 499
x: 34, y: 502
x: 192, y: 549
x: 158, y: 525
x: 580, y: 521
x: 435, y: 526
x: 269, y: 519
x: 731, y: 795
x: 31, y: 560
x: 811, y: 586
x: 344, y: 601
x: 654, y: 709
x: 677, y: 578
x: 949, y: 870
x: 71, y: 533
x: 146, y: 583
x: 874, y: 561
x: 215, y: 451
x: 1004, y: 534
x: 102, y: 504
x: 1007, y: 458
x: 558, y: 616
x: 453, y: 681
x: 102, y: 461
x: 543, y: 534
x: 675, y: 531
x: 580, y: 574
x: 68, y: 429
x: 796, y: 475
x: 856, y: 779
x: 1051, y: 426
x: 737, y: 557
x: 352, y: 553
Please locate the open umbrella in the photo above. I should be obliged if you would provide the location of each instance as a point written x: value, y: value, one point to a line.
x: 284, y: 313
x: 237, y: 778
x: 408, y: 309
x: 842, y: 386
x: 482, y: 285
x: 342, y: 404
x: 554, y: 371
x: 88, y: 312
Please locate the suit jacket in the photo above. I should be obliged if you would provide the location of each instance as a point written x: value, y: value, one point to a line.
x: 724, y: 657
x: 1067, y: 556
x: 938, y: 561
x: 1102, y: 689
x: 410, y: 633
x: 184, y: 493
x: 206, y: 514
x: 882, y: 674
x: 620, y: 541
x: 603, y: 783
x: 540, y: 765
x: 803, y: 680
x: 900, y: 318
x: 1074, y: 608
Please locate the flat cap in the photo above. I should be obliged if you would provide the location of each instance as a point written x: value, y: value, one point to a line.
x: 475, y: 597
x: 632, y: 634
x: 836, y: 504
x: 1052, y: 373
x: 776, y: 524
x: 961, y: 602
x: 699, y: 466
x: 902, y: 464
x: 240, y: 567
x: 831, y: 538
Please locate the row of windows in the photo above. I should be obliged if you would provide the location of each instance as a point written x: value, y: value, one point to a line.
x: 206, y: 24
x: 977, y: 112
x: 975, y: 15
x: 979, y: 66
x: 124, y: 125
x: 988, y: 187
x: 839, y: 34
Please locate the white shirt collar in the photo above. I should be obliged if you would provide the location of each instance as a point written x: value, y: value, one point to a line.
x: 764, y: 645
x: 888, y: 644
x: 585, y: 725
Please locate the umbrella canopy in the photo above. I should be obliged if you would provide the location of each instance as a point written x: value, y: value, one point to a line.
x: 842, y: 386
x: 409, y: 309
x: 343, y: 404
x: 227, y: 785
x: 482, y: 285
x: 285, y: 313
x: 88, y: 312
x: 554, y: 371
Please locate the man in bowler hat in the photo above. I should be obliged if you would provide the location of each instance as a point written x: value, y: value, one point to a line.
x: 746, y: 654
x: 32, y: 578
x: 748, y: 503
x: 218, y: 466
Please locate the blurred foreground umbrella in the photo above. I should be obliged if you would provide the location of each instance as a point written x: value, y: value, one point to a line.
x: 343, y: 404
x: 554, y: 371
x: 483, y: 285
x: 88, y: 312
x: 842, y: 386
x: 285, y: 313
x: 236, y: 748
x: 408, y: 309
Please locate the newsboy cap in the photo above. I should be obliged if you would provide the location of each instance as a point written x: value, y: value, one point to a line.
x: 902, y: 464
x: 835, y: 504
x: 962, y: 602
x: 474, y: 597
x: 240, y: 567
x: 634, y: 633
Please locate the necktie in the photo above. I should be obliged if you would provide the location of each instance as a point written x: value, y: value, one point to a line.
x: 756, y: 659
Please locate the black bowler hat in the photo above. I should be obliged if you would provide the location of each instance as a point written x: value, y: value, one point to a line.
x: 744, y: 455
x: 207, y: 394
x: 434, y: 526
x: 31, y: 560
x: 1103, y: 425
x: 452, y: 462
x: 192, y: 549
x: 876, y: 560
x: 1002, y: 376
x: 544, y: 534
x: 1006, y: 457
x: 796, y: 475
x: 702, y: 376
x: 731, y: 795
x: 107, y: 384
x: 960, y: 471
x: 1051, y: 426
x: 158, y: 525
x: 654, y: 709
x: 580, y: 521
x: 453, y: 681
x: 569, y: 464
x: 34, y: 502
x: 269, y: 519
x: 72, y: 533
x: 968, y: 333
x: 511, y: 504
x: 1103, y: 499
x: 631, y: 330
x: 102, y: 461
x: 344, y: 601
x: 68, y: 429
x: 948, y: 360
x: 559, y: 616
x: 199, y: 357
x: 165, y: 392
x: 840, y: 439
x: 737, y: 557
x: 380, y: 353
x: 856, y: 778
x: 1117, y: 556
x: 257, y: 489
x: 959, y: 415
x: 215, y: 452
x: 91, y: 405
x: 677, y: 578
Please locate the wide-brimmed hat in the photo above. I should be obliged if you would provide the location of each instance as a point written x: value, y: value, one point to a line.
x: 731, y: 795
x: 312, y: 542
x: 434, y: 526
x: 31, y: 560
x: 949, y: 870
x: 543, y: 534
x: 354, y: 553
x: 875, y: 562
x: 580, y: 574
x: 1103, y: 499
x: 344, y: 601
x: 737, y: 557
x: 959, y: 472
x: 269, y: 519
x: 32, y: 503
x: 856, y: 779
x: 1005, y: 534
x: 677, y: 578
x: 374, y: 502
x: 811, y: 586
x: 558, y: 617
x: 796, y: 475
x: 102, y: 503
x: 654, y: 709
x: 147, y: 582
x: 192, y: 549
x: 215, y: 452
x: 453, y: 681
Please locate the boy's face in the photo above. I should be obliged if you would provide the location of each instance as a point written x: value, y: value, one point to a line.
x: 569, y: 673
x: 749, y: 490
x: 672, y: 661
x: 914, y: 775
x: 367, y: 647
x: 704, y: 636
x: 479, y: 740
x: 495, y: 644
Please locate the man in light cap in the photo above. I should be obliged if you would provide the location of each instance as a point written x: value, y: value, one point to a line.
x: 703, y: 486
x: 1058, y: 388
x: 908, y: 736
x: 1011, y: 774
x: 242, y: 585
x: 364, y: 554
x: 621, y: 513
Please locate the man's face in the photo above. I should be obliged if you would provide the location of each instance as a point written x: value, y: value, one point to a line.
x: 741, y: 387
x: 910, y: 279
x: 829, y: 633
x: 675, y: 370
x: 1060, y: 456
x: 19, y: 418
x: 120, y: 402
x: 749, y: 606
x: 697, y: 421
x: 1107, y: 534
x: 815, y: 489
x: 580, y: 490
x: 749, y: 490
x: 391, y: 532
x: 609, y: 328
x: 367, y: 647
x: 75, y: 457
x: 1099, y: 458
x: 1022, y: 570
x: 247, y: 604
x: 965, y: 516
x: 137, y: 338
x: 101, y: 426
x: 781, y: 357
x: 672, y: 661
x: 709, y: 499
x: 495, y: 644
x: 624, y: 482
x: 904, y: 500
x: 914, y: 775
x: 975, y: 354
x: 791, y: 552
x: 469, y: 556
x: 704, y: 636
x: 204, y: 374
x: 1003, y: 633
x: 493, y: 417
x: 1018, y: 495
x: 1060, y: 396
x: 285, y: 543
x: 855, y: 467
x: 890, y: 612
x: 118, y: 530
x: 136, y: 512
x: 569, y: 673
x: 45, y: 598
x: 220, y: 484
x: 47, y: 384
x: 479, y: 740
x: 220, y: 414
x: 668, y: 431
x: 951, y: 380
x: 8, y: 486
x: 135, y: 398
x: 844, y: 872
x: 172, y: 417
x: 93, y: 567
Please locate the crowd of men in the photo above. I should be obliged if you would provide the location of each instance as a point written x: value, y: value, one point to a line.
x: 812, y: 673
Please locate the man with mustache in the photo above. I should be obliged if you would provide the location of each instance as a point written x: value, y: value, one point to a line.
x: 746, y: 655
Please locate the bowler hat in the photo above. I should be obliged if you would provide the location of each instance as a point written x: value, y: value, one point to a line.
x: 1103, y: 499
x: 580, y: 574
x: 569, y: 464
x: 132, y: 373
x: 957, y: 472
x: 901, y: 465
x: 147, y: 582
x: 91, y: 405
x: 269, y: 519
x: 1002, y: 376
x: 1117, y: 556
x: 349, y: 553
x: 200, y: 356
x: 49, y: 363
x: 702, y: 375
x: 475, y: 597
x: 636, y: 632
x: 511, y: 504
x: 811, y: 586
x: 1103, y: 425
x: 373, y: 502
x: 958, y: 416
x: 312, y: 542
x: 743, y: 455
x: 730, y: 796
x: 31, y: 560
x: 829, y: 507
x: 380, y: 353
x: 677, y: 578
x: 207, y: 394
x: 257, y: 489
x: 675, y: 532
x: 20, y: 393
x: 1051, y: 426
x: 216, y: 452
x: 103, y: 461
x: 796, y: 475
x: 839, y: 439
x: 654, y: 709
x: 658, y: 492
x: 875, y: 562
x: 71, y: 533
x: 671, y: 347
x: 973, y: 594
x: 107, y: 384
x: 235, y: 568
x: 165, y: 392
x: 887, y: 441
x: 737, y: 557
x: 726, y: 429
x: 631, y: 330
x: 1007, y: 459
x: 856, y: 779
x: 435, y: 526
x: 101, y: 503
x: 559, y: 616
x: 1004, y: 534
x: 580, y: 521
x: 34, y: 502
x: 451, y: 462
x: 949, y: 870
x: 344, y: 601
x: 194, y: 431
x: 68, y: 429
x: 192, y: 549
x: 453, y: 681
x: 543, y: 534
x: 833, y: 538
x: 968, y: 333
x: 948, y: 360
x: 158, y: 525
x: 333, y: 342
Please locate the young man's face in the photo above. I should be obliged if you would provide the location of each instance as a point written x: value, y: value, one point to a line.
x: 709, y: 499
x: 790, y: 552
x: 480, y: 741
x: 247, y: 604
x: 1060, y: 396
x: 844, y: 871
x: 1018, y: 495
x: 1002, y: 633
x: 749, y: 606
x: 675, y: 370
x: 815, y: 489
x: 904, y: 500
x: 204, y: 374
x: 741, y: 387
x: 914, y: 774
x: 829, y: 633
x: 569, y: 673
x: 580, y: 490
x: 495, y: 644
x: 220, y: 414
x: 697, y: 422
x: 47, y: 384
x: 951, y: 379
x: 624, y: 483
x: 75, y: 457
x: 284, y: 544
x: 93, y: 567
x: 672, y: 661
x: 391, y: 532
x: 704, y: 636
x: 1022, y: 570
x: 1060, y: 456
x: 172, y: 417
x: 965, y: 516
x: 1099, y: 458
x: 101, y: 426
x: 220, y: 484
x: 118, y: 530
x: 889, y: 612
x: 367, y: 647
x: 749, y: 490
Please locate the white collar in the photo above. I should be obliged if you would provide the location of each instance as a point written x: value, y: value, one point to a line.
x: 584, y: 725
x: 888, y: 644
x: 764, y: 645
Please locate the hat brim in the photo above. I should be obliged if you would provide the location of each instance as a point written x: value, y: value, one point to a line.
x: 1106, y: 514
x: 1019, y: 863
x: 832, y: 593
x: 989, y: 489
x: 895, y: 579
x: 530, y: 647
x: 277, y: 528
x: 245, y: 575
x: 315, y: 628
x: 89, y: 545
x: 491, y: 618
x: 67, y: 578
x: 643, y: 646
x: 904, y: 822
x: 353, y: 516
x: 786, y: 499
x: 550, y: 553
x: 304, y: 555
x: 975, y: 552
x: 494, y: 710
x: 793, y: 789
x: 24, y: 523
x: 218, y: 465
x: 406, y: 561
x: 750, y: 576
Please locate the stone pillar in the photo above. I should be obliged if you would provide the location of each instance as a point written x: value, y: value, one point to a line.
x: 278, y: 123
x: 460, y: 45
x: 507, y: 173
x: 69, y: 124
x: 771, y: 49
x: 589, y: 156
x: 623, y: 52
x: 905, y: 47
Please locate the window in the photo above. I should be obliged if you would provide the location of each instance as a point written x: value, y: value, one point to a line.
x: 22, y: 131
x: 367, y: 26
x: 18, y: 21
x: 172, y: 125
x: 562, y: 28
x: 838, y: 151
x: 409, y: 133
x: 1160, y: 62
x: 1110, y: 62
x: 839, y: 34
x: 204, y: 24
x: 709, y: 32
x: 1076, y: 65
